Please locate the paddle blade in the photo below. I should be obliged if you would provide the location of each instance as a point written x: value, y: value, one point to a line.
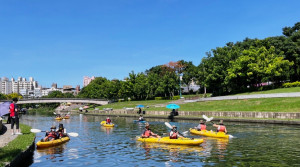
x: 73, y: 134
x: 35, y: 130
x: 230, y: 136
x: 206, y: 118
x: 168, y: 125
x: 54, y: 113
x: 185, y: 133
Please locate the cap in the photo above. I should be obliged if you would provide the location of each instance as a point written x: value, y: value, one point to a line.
x: 174, y: 126
x: 53, y: 127
x: 147, y: 124
x: 15, y: 99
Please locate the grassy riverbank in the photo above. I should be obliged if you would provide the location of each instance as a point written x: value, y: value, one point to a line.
x: 12, y: 149
x: 262, y: 105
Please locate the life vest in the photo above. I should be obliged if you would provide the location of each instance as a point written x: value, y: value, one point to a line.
x: 221, y: 128
x: 52, y: 134
x: 108, y: 121
x: 147, y: 133
x: 12, y: 108
x: 203, y: 127
x: 173, y: 135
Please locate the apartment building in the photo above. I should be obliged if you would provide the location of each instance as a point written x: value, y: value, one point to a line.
x: 87, y: 80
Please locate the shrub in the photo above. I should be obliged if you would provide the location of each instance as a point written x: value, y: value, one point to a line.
x: 158, y: 98
x: 291, y: 84
x: 176, y: 97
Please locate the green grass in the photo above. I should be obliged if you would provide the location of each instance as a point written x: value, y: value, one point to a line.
x: 262, y: 105
x: 289, y: 104
x: 12, y: 149
x: 279, y: 90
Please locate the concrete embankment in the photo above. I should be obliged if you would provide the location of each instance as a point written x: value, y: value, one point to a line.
x: 237, y: 116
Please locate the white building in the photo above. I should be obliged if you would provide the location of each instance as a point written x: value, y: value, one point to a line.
x: 20, y: 86
x: 6, y: 86
x: 46, y: 91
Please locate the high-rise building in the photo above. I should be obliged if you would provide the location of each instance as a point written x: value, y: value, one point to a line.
x: 54, y: 85
x: 87, y: 80
x: 20, y: 86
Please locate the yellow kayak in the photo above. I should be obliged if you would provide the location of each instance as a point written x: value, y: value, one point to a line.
x: 103, y: 123
x: 58, y: 118
x: 66, y: 117
x: 41, y: 144
x: 209, y: 133
x: 167, y: 140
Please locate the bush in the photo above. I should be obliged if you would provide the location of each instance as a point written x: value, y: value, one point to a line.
x: 176, y: 97
x: 291, y: 84
x: 158, y: 98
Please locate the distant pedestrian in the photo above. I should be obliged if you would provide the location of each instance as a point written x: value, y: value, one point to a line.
x: 13, y: 109
x: 140, y: 110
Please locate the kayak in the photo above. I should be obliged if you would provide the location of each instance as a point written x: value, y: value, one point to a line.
x: 139, y: 121
x: 58, y: 118
x: 103, y: 123
x: 41, y: 144
x: 66, y: 117
x: 209, y: 133
x: 167, y: 140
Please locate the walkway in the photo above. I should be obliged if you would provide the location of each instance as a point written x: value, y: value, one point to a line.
x: 273, y: 95
x: 5, y: 135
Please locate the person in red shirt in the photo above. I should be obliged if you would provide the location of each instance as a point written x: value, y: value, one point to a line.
x: 13, y: 109
x: 108, y: 120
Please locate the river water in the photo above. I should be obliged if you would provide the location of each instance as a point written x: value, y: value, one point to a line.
x: 252, y: 145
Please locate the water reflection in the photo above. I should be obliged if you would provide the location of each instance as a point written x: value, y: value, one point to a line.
x: 51, y: 152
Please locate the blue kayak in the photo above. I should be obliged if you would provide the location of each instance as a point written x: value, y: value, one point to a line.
x: 135, y: 121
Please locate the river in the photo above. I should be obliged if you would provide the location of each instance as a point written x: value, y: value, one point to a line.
x: 252, y: 145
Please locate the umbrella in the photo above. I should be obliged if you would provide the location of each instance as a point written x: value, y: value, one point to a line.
x: 4, y: 107
x: 140, y: 106
x: 173, y: 106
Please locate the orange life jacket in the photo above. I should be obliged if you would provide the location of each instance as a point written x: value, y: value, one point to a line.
x: 203, y: 127
x: 221, y: 128
x: 147, y: 133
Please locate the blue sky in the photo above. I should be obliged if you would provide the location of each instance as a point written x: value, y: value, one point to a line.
x: 62, y: 41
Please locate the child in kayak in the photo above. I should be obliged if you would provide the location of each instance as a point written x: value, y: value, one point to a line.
x: 221, y: 127
x: 51, y: 135
x: 148, y: 133
x: 174, y: 133
x: 60, y: 131
x: 108, y: 120
x: 201, y: 126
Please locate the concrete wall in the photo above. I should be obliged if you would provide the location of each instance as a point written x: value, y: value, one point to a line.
x: 236, y: 114
x: 91, y: 101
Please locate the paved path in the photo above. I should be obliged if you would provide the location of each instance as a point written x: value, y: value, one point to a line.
x: 273, y: 95
x: 5, y: 135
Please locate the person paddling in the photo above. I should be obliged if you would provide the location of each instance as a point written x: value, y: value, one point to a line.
x: 221, y: 127
x: 174, y: 133
x: 148, y: 133
x: 51, y: 135
x: 201, y: 126
x: 108, y: 120
x: 141, y: 118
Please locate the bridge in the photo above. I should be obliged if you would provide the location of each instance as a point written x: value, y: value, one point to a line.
x: 63, y: 100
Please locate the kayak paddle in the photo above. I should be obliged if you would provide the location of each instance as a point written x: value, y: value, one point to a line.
x: 170, y: 126
x: 73, y: 134
x: 208, y: 119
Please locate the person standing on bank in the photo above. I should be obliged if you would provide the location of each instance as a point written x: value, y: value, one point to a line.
x: 13, y: 109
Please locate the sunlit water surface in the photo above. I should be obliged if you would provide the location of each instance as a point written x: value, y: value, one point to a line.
x: 253, y: 145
